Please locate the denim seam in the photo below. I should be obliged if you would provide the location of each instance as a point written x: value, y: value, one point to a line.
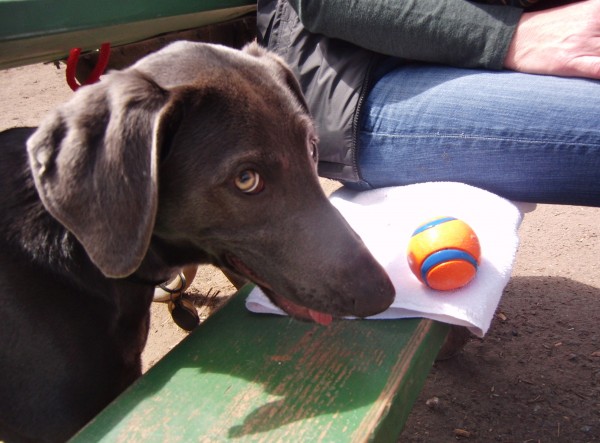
x: 477, y: 137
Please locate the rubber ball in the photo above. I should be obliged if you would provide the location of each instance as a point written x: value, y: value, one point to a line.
x: 444, y: 253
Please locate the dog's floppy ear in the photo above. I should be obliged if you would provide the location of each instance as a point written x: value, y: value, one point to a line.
x: 94, y: 163
x: 279, y: 69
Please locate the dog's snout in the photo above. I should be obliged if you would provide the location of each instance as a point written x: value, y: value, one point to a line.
x: 332, y: 270
x: 375, y: 299
x: 371, y: 289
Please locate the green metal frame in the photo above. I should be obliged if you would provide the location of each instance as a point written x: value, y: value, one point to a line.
x: 45, y: 30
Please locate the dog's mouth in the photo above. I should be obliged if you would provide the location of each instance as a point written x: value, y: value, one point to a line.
x: 293, y: 309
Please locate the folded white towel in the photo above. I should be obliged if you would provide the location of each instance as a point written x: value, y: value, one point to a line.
x: 386, y: 218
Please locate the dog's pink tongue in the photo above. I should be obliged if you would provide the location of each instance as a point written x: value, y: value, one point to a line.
x: 320, y: 317
x: 300, y: 311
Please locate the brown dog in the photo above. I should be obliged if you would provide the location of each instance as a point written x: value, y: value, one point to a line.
x: 196, y: 154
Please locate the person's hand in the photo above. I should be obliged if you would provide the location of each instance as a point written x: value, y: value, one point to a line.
x: 563, y: 41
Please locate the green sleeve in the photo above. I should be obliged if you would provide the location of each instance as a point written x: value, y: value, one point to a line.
x: 454, y: 32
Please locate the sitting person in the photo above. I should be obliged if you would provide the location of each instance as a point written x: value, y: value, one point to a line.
x: 483, y: 93
x: 449, y: 90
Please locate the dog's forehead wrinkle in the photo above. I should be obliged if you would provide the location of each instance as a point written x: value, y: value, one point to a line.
x: 180, y: 62
x: 257, y: 87
x: 184, y: 63
x: 248, y: 141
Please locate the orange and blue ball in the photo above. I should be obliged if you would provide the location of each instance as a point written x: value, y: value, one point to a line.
x: 444, y: 253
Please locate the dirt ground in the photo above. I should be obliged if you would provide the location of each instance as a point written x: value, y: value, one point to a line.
x: 535, y: 377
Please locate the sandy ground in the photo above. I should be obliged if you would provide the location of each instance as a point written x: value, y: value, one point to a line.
x: 534, y: 377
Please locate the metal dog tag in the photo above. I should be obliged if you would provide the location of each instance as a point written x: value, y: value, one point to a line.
x: 184, y: 313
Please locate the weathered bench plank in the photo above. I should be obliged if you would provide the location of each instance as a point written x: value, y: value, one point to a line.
x: 266, y: 378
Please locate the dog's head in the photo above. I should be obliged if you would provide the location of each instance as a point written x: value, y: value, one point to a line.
x: 205, y: 153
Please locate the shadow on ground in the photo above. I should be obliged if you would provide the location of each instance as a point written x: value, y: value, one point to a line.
x: 534, y: 377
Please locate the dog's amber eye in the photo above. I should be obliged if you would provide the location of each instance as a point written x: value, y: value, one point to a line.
x: 249, y: 182
x: 314, y: 153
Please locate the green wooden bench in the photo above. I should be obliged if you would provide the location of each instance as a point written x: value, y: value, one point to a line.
x: 248, y: 377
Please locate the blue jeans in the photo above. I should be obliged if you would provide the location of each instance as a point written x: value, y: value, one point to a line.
x: 524, y: 137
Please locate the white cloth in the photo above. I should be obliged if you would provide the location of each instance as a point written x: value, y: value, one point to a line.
x: 386, y: 218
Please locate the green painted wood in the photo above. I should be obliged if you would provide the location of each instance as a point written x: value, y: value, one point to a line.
x: 247, y: 377
x: 44, y: 30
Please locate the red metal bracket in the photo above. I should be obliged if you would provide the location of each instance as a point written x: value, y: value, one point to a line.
x: 98, y: 70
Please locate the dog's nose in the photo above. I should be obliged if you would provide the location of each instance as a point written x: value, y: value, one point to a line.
x: 374, y: 296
